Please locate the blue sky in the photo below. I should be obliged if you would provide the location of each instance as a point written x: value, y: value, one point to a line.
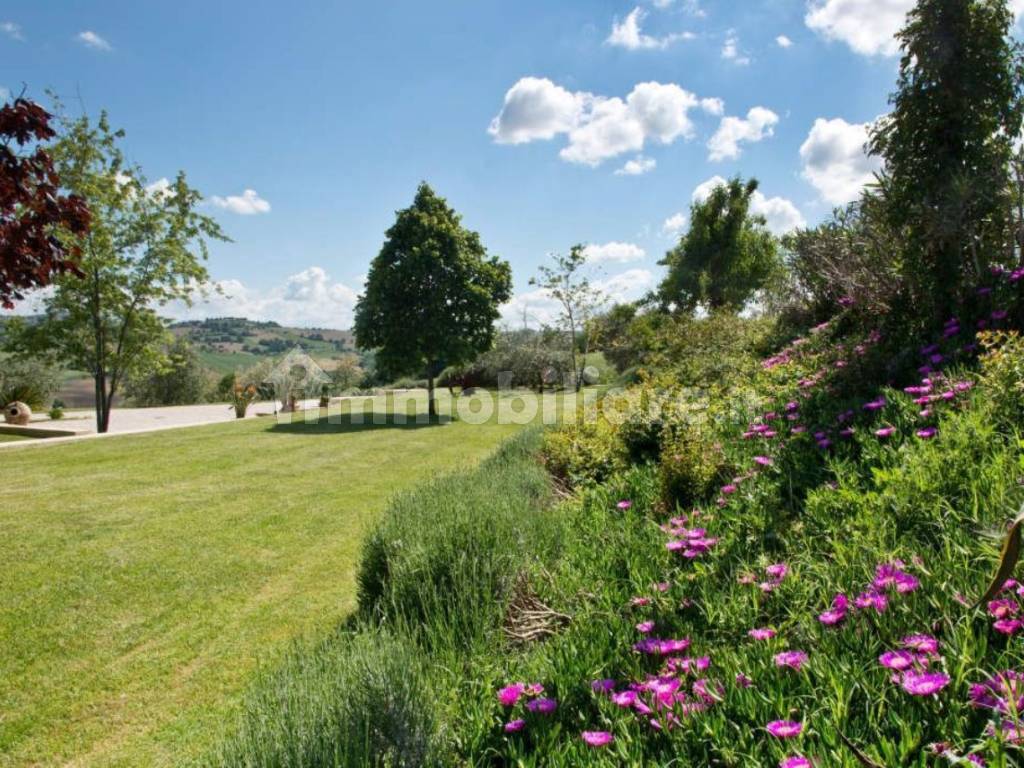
x: 545, y: 124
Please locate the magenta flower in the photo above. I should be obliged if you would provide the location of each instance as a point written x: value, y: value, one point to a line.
x: 510, y: 694
x: 645, y: 627
x: 743, y: 681
x: 777, y: 571
x: 901, y: 661
x: 1003, y: 693
x: 791, y: 659
x: 796, y: 761
x: 624, y: 699
x: 872, y: 599
x: 927, y: 433
x: 837, y: 613
x: 512, y: 726
x: 543, y: 706
x: 624, y: 505
x: 921, y: 643
x: 729, y: 489
x: 764, y: 461
x: 764, y: 633
x: 885, y: 432
x: 597, y: 738
x: 602, y: 686
x: 875, y: 405
x: 784, y: 729
x: 1007, y: 626
x: 924, y: 683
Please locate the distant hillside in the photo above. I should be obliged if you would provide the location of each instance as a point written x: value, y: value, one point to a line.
x: 227, y: 343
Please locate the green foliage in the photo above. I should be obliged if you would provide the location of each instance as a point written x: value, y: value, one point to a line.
x: 1003, y: 376
x: 180, y: 379
x: 726, y: 256
x: 347, y: 373
x: 30, y: 381
x: 692, y: 466
x: 947, y: 144
x: 352, y: 701
x: 443, y: 561
x: 583, y: 452
x: 146, y: 248
x: 625, y: 334
x: 56, y: 413
x: 432, y: 293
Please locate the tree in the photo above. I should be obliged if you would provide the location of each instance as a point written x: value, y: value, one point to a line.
x: 947, y: 144
x: 145, y: 248
x: 181, y: 379
x: 725, y: 257
x: 347, y: 373
x: 432, y: 293
x: 31, y: 381
x: 567, y: 283
x: 34, y: 214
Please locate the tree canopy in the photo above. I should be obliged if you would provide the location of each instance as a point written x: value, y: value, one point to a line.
x: 35, y: 215
x: 726, y: 255
x: 432, y: 293
x: 947, y: 143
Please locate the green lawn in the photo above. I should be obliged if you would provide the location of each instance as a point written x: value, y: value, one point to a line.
x: 12, y: 438
x: 145, y: 576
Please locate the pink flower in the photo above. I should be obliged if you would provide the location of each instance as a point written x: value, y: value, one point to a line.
x: 921, y: 643
x: 645, y: 626
x: 624, y: 505
x: 927, y: 433
x: 729, y: 489
x: 513, y: 726
x: 898, y: 660
x: 602, y: 686
x: 764, y: 461
x: 784, y: 729
x: 837, y: 613
x: 1007, y: 626
x: 510, y: 694
x: 791, y: 659
x: 796, y: 761
x: 764, y: 633
x: 924, y: 683
x: 597, y: 738
x: 543, y: 706
x: 872, y: 599
x: 624, y: 699
x: 885, y: 432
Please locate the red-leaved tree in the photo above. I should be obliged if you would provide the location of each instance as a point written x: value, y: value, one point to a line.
x: 33, y: 211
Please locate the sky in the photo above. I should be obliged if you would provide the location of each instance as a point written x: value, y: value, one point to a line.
x: 306, y: 125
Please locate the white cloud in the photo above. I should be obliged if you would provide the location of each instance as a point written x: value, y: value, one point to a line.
x: 306, y: 299
x: 713, y: 106
x: 675, y: 225
x: 535, y: 108
x: 627, y: 34
x: 159, y: 188
x: 12, y: 30
x: 247, y: 204
x: 835, y: 161
x: 597, y: 127
x: 780, y: 214
x: 731, y: 50
x: 725, y: 144
x: 91, y: 40
x: 638, y: 166
x: 784, y: 42
x: 614, y: 252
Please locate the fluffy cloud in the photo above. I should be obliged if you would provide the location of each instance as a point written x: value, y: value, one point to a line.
x: 675, y: 225
x: 614, y: 252
x: 725, y: 144
x: 638, y: 166
x: 539, y: 308
x: 12, y: 30
x: 784, y: 42
x: 779, y: 213
x: 627, y: 34
x: 731, y: 50
x: 834, y: 159
x: 307, y: 299
x: 535, y: 108
x: 597, y: 127
x: 91, y: 40
x: 246, y: 204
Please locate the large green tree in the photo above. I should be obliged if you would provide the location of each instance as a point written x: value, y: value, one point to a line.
x: 726, y: 255
x: 432, y: 293
x: 145, y: 248
x: 947, y: 144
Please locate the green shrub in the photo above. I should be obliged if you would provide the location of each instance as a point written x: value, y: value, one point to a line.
x: 28, y: 381
x: 352, y: 700
x: 581, y: 454
x: 444, y: 558
x: 1003, y: 376
x: 56, y: 414
x: 691, y: 467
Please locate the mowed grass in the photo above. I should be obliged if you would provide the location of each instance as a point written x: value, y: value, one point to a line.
x: 145, y: 577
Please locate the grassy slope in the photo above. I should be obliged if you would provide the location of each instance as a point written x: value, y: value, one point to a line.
x: 147, y: 575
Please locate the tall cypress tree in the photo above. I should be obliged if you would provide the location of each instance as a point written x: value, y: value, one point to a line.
x: 947, y: 144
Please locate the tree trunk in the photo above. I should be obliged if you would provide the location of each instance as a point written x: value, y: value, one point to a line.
x: 101, y: 402
x: 431, y: 404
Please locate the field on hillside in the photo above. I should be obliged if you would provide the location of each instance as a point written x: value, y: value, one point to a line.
x: 147, y: 576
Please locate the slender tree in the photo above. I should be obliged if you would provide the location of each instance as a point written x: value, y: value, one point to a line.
x: 947, y: 144
x: 726, y: 255
x: 145, y: 248
x: 35, y: 214
x: 432, y: 293
x: 566, y: 281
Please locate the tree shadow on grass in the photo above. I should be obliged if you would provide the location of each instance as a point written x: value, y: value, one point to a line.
x: 337, y: 423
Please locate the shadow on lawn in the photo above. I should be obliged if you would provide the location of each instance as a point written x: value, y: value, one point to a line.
x: 346, y: 422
